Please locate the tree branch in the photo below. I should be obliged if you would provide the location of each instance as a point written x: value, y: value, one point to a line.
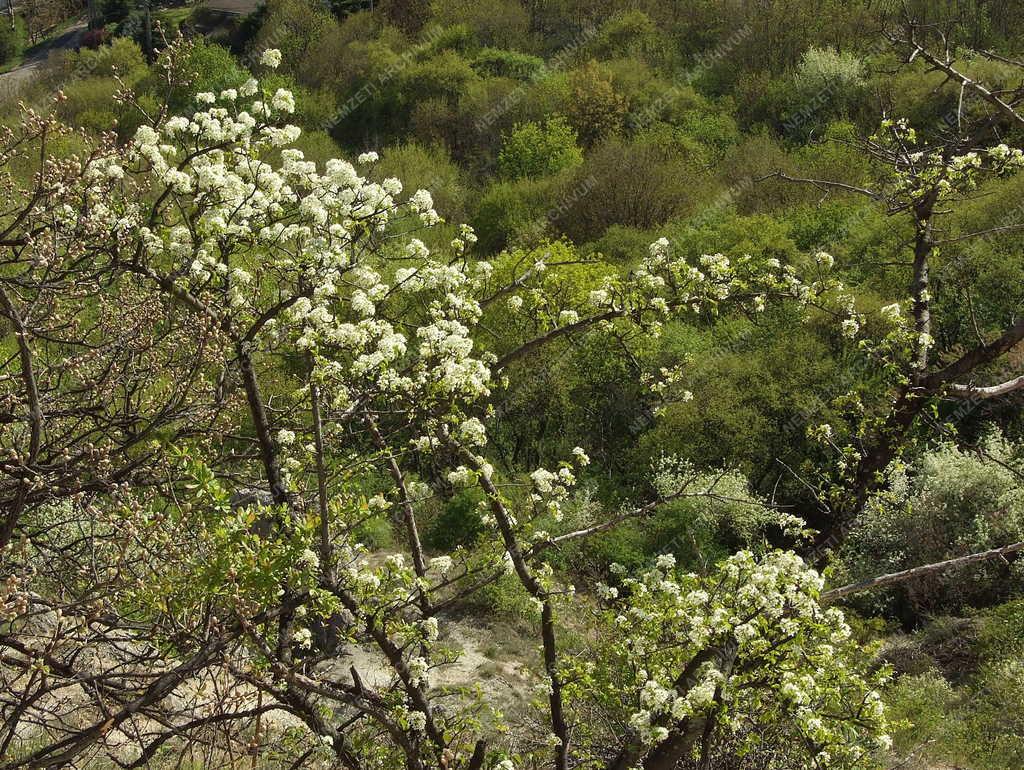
x: 989, y: 391
x: 927, y: 569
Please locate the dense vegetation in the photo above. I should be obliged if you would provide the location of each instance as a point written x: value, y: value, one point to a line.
x: 634, y: 338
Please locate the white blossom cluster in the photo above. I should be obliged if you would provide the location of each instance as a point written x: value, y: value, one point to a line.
x: 753, y: 619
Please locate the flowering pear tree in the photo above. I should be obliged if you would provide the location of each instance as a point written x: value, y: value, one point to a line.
x: 224, y: 360
x: 921, y: 180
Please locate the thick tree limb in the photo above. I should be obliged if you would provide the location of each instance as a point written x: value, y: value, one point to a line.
x: 989, y: 391
x: 927, y: 569
x: 976, y: 357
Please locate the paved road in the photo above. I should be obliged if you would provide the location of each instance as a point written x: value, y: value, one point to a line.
x: 236, y: 7
x: 70, y: 38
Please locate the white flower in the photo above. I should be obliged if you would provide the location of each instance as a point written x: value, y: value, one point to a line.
x: 145, y: 136
x: 660, y: 247
x: 461, y: 475
x: 308, y: 560
x: 430, y: 629
x: 417, y: 721
x: 607, y: 592
x: 368, y: 157
x: 892, y: 313
x: 418, y: 668
x: 542, y: 479
x: 283, y: 101
x: 249, y: 87
x: 421, y: 201
x: 472, y: 431
x: 271, y: 58
x: 285, y: 437
x: 442, y: 564
x: 581, y: 456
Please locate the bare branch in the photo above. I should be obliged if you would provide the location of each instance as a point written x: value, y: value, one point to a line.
x: 915, y: 572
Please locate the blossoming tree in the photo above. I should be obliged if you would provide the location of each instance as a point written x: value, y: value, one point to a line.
x: 920, y: 181
x: 227, y: 358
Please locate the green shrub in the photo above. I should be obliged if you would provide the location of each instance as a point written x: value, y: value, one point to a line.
x: 828, y: 84
x: 508, y: 209
x: 495, y: 62
x: 90, y: 103
x: 375, y: 533
x: 444, y: 76
x: 970, y: 716
x: 207, y: 67
x: 122, y: 58
x: 623, y: 244
x: 429, y: 168
x: 507, y: 599
x: 949, y: 503
x: 294, y: 27
x: 534, y: 150
x: 595, y: 108
x: 639, y: 184
x: 498, y: 23
x: 459, y: 38
x: 629, y: 34
x: 826, y: 70
x: 699, y: 531
x: 459, y: 523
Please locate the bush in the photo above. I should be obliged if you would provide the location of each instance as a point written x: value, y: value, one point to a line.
x: 458, y: 524
x: 623, y: 244
x: 208, y: 67
x: 430, y: 168
x: 631, y: 34
x: 595, y: 109
x: 509, y: 210
x: 444, y: 76
x: 94, y: 38
x: 635, y: 184
x: 950, y: 503
x: 295, y: 27
x: 458, y: 38
x: 840, y: 74
x: 498, y: 23
x: 828, y: 84
x: 971, y: 720
x: 122, y: 58
x: 534, y: 150
x: 495, y: 62
x: 375, y: 533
